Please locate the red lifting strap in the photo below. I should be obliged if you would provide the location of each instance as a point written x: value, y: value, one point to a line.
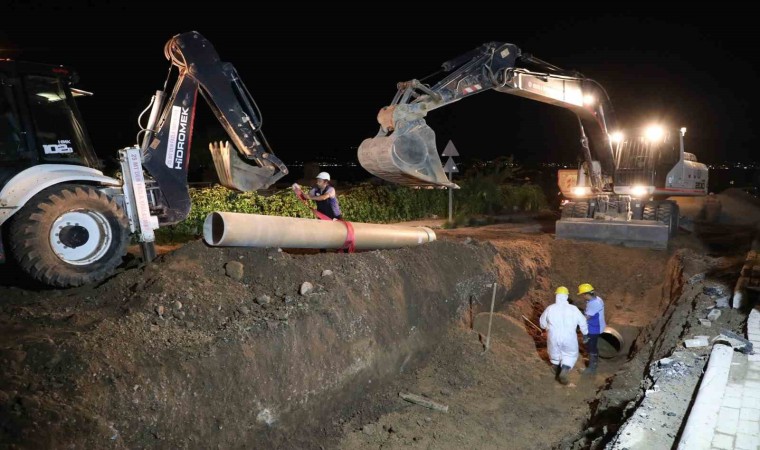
x: 349, y: 243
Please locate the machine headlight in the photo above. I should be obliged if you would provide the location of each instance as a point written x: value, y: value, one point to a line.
x: 580, y: 191
x: 654, y: 133
x: 639, y: 191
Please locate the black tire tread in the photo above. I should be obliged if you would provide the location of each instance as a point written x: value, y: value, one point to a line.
x: 24, y: 237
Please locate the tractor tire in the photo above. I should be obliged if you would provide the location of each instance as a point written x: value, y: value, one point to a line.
x: 650, y: 211
x: 667, y: 213
x: 567, y: 210
x: 580, y: 210
x: 69, y: 235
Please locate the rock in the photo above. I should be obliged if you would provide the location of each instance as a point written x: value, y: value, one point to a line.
x: 154, y: 328
x: 735, y: 341
x: 696, y: 278
x: 244, y: 310
x: 715, y: 290
x: 692, y: 343
x: 327, y: 273
x: 234, y: 270
x: 665, y: 362
x: 160, y: 310
x: 263, y: 299
x: 714, y: 314
x: 306, y: 287
x: 722, y: 302
x: 179, y: 315
x: 705, y: 322
x: 369, y: 429
x: 178, y: 305
x: 468, y: 240
x: 445, y: 392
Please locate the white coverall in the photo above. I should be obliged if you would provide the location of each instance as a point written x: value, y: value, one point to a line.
x: 561, y: 319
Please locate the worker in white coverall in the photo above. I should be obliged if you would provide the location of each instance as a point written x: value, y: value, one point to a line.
x: 561, y: 319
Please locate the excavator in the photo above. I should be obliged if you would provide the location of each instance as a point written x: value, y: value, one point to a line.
x: 64, y: 222
x: 620, y: 191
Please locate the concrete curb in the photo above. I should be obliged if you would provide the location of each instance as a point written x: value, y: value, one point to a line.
x: 703, y: 418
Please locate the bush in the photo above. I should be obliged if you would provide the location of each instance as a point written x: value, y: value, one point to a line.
x: 364, y: 203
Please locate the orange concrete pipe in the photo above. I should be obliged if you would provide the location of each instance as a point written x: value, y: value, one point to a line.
x: 226, y: 229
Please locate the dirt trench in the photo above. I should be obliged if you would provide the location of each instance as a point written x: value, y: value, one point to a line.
x: 181, y: 355
x: 507, y: 397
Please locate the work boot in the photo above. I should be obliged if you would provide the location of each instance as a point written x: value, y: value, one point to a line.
x: 563, y: 374
x: 593, y: 362
x: 555, y: 370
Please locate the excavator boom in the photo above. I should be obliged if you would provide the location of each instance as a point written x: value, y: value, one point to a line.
x: 166, y: 146
x: 404, y: 150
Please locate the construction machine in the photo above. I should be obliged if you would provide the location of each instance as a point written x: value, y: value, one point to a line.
x: 63, y: 221
x: 618, y: 193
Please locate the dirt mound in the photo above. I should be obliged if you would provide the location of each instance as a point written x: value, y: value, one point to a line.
x: 230, y: 345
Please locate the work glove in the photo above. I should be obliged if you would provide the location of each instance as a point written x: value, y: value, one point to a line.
x: 296, y: 187
x: 585, y: 339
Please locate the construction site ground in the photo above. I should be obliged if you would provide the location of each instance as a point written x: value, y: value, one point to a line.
x: 229, y: 348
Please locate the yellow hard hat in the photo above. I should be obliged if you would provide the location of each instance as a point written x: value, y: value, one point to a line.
x: 562, y: 290
x: 585, y: 288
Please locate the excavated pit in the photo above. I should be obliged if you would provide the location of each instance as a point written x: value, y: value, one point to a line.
x: 215, y: 347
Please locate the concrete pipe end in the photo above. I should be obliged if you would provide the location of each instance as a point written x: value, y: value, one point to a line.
x: 611, y: 342
x: 213, y: 229
x: 430, y: 233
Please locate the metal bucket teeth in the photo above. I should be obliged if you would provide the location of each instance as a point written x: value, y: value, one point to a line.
x: 234, y: 173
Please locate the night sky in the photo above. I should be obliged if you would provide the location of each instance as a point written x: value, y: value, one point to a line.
x: 320, y: 74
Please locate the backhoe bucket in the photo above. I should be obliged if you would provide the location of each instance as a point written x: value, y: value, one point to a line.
x: 234, y: 173
x: 408, y: 158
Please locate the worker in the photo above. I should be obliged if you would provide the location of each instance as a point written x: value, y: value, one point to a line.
x: 324, y: 194
x: 561, y: 320
x: 596, y: 324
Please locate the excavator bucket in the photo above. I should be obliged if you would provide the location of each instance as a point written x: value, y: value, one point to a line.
x: 234, y: 173
x: 407, y: 157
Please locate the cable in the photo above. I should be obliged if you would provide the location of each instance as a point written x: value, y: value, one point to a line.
x: 139, y: 118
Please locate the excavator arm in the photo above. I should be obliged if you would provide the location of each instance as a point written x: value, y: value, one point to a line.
x: 166, y: 144
x: 404, y: 150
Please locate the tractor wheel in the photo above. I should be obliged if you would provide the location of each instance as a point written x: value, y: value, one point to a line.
x: 667, y: 213
x: 69, y: 235
x: 650, y: 211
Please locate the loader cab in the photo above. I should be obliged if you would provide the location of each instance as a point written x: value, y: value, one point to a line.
x: 39, y: 119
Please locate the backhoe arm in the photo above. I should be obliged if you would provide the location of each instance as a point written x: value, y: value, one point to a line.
x: 166, y: 146
x: 404, y: 150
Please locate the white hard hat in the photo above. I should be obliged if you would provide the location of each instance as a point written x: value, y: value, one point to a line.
x: 323, y: 176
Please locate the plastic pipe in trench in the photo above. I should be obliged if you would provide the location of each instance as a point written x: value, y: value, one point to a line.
x: 226, y: 229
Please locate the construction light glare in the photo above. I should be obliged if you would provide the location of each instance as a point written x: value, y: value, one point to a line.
x: 654, y: 132
x: 616, y: 137
x: 588, y: 100
x: 683, y: 131
x: 579, y: 191
x: 639, y: 191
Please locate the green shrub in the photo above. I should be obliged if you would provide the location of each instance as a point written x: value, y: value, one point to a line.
x: 364, y: 203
